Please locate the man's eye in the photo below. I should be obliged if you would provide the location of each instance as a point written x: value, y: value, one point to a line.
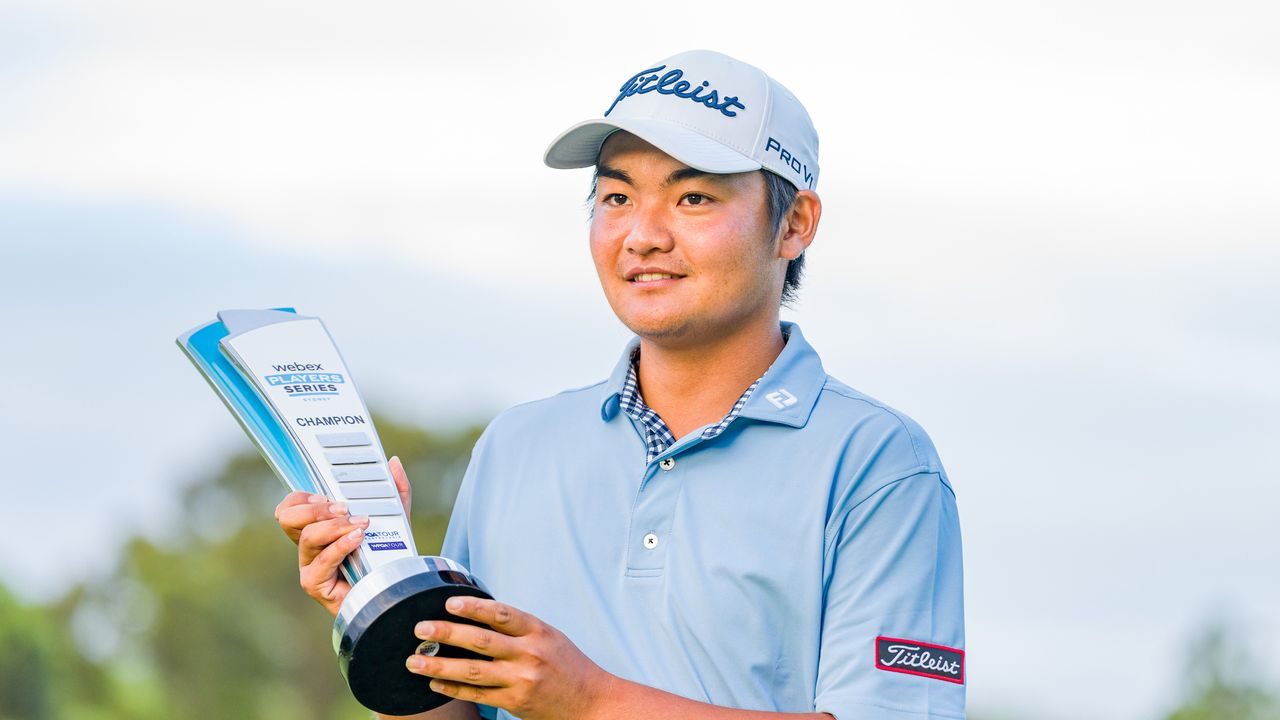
x: 695, y: 199
x: 615, y: 199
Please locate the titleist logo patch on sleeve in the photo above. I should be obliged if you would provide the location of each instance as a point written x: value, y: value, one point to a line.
x: 918, y: 658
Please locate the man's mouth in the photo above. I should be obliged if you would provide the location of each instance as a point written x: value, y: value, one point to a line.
x: 652, y: 277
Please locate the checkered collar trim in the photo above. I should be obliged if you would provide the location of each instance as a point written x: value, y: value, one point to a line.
x: 657, y: 436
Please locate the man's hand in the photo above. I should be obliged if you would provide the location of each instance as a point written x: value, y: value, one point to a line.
x: 326, y: 534
x: 536, y: 671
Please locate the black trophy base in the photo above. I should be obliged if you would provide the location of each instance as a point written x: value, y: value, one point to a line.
x: 374, y: 636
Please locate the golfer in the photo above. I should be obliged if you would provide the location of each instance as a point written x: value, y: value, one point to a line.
x: 720, y: 529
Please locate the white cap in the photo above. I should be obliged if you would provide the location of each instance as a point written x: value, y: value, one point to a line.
x: 708, y: 111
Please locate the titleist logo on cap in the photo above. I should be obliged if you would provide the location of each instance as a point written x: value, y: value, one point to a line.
x: 672, y: 82
x: 708, y: 111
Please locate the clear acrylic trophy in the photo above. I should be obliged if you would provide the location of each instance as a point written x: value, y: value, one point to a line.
x: 283, y: 379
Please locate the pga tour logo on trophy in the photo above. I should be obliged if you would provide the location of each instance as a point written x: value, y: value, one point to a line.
x: 274, y: 369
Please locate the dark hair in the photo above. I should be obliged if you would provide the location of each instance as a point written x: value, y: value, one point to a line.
x: 781, y: 195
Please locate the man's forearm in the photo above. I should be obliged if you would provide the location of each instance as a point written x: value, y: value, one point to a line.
x: 539, y: 674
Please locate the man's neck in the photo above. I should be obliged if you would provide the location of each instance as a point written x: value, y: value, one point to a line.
x: 691, y: 386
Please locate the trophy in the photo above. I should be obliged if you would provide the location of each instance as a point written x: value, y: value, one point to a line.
x: 282, y: 377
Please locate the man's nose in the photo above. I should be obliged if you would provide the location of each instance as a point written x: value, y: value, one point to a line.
x: 649, y: 232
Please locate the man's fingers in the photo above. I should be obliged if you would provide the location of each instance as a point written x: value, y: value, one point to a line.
x: 317, y: 537
x: 463, y: 691
x: 401, y: 479
x: 501, y: 617
x: 299, y: 509
x: 297, y: 497
x: 324, y: 566
x: 476, y: 673
x: 482, y: 640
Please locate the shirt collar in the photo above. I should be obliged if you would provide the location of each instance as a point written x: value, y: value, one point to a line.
x: 611, y: 402
x: 790, y: 389
x: 786, y: 394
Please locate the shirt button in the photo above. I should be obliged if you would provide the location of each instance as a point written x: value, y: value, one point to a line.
x: 650, y: 541
x: 667, y: 463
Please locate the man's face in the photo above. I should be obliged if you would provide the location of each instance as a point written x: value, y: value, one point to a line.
x: 683, y: 256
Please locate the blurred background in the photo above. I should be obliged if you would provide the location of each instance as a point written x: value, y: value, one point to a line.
x: 1051, y: 235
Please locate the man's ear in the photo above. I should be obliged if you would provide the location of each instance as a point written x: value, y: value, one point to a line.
x: 800, y: 225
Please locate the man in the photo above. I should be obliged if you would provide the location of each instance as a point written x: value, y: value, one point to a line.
x: 720, y: 529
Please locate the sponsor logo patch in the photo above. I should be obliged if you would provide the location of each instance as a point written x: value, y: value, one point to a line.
x: 918, y: 658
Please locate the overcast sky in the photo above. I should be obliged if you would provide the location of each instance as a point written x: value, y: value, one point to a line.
x: 1051, y: 234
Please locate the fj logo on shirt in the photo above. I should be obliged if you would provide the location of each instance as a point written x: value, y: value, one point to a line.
x: 916, y: 658
x: 781, y: 398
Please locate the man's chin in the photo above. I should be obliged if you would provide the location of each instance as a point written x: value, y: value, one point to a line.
x: 659, y: 328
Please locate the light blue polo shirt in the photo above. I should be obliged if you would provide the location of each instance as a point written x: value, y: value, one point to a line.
x: 806, y: 559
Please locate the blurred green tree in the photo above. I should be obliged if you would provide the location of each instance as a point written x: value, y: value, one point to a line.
x: 28, y: 662
x: 1223, y: 680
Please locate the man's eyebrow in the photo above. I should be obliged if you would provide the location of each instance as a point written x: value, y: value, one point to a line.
x: 615, y: 173
x: 684, y: 173
x: 687, y: 173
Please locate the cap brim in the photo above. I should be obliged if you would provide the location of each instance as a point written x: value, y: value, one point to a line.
x: 579, y: 146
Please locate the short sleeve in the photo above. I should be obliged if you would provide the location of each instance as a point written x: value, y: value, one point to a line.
x: 457, y: 537
x: 892, y: 645
x: 457, y: 544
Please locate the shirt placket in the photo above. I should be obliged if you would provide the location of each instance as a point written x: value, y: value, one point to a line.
x: 650, y: 535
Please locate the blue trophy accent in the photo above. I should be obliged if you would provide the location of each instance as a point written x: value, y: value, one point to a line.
x: 201, y: 345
